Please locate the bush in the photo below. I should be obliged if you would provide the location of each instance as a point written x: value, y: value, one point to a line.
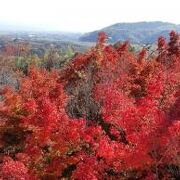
x: 109, y: 114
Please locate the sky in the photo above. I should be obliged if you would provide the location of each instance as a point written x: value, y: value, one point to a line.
x: 85, y: 15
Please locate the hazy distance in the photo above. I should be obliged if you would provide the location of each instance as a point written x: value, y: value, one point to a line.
x: 83, y: 15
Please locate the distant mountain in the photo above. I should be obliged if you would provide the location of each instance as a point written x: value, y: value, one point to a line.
x: 138, y: 33
x: 14, y: 27
x: 38, y: 32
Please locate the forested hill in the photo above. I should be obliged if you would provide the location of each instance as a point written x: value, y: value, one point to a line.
x: 138, y: 33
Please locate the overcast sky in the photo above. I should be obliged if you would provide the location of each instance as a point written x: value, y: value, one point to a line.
x: 86, y: 15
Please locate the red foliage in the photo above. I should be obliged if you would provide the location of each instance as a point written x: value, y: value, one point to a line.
x: 135, y: 132
x: 11, y: 169
x: 102, y: 37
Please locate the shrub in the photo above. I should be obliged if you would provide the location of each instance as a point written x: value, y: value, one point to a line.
x: 109, y: 114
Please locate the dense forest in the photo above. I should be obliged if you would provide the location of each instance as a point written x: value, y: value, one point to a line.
x: 107, y: 113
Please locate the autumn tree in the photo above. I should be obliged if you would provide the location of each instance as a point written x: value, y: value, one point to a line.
x: 108, y: 114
